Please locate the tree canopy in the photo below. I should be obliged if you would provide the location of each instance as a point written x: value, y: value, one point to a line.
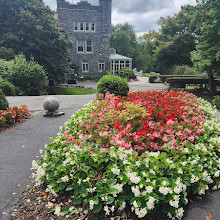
x: 29, y: 27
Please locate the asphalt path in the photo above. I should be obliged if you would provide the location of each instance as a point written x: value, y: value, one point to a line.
x: 20, y: 145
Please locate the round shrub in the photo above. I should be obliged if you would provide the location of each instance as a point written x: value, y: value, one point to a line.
x: 127, y: 73
x: 28, y: 76
x: 8, y: 88
x: 113, y: 84
x: 216, y: 102
x: 3, y: 101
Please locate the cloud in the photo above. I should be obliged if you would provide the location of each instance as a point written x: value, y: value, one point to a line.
x: 142, y: 14
x: 140, y: 6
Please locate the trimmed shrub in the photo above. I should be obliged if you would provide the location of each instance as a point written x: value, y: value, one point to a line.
x: 216, y: 102
x: 152, y: 79
x: 3, y: 101
x: 113, y: 84
x: 7, y: 87
x: 184, y: 70
x: 127, y: 73
x: 28, y: 76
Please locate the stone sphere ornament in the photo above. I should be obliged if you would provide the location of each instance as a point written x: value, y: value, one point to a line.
x: 51, y: 106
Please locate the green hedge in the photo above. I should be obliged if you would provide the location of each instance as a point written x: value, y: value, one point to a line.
x: 113, y: 84
x: 163, y: 78
x: 3, y: 101
x: 8, y: 88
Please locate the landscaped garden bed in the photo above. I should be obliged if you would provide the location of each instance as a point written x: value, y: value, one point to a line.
x: 12, y: 116
x: 143, y: 155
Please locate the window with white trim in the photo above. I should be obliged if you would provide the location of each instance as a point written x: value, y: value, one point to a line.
x: 76, y: 27
x: 85, y: 67
x: 84, y: 46
x: 101, y: 66
x: 80, y: 46
x: 89, y: 46
x: 84, y: 26
x: 81, y: 26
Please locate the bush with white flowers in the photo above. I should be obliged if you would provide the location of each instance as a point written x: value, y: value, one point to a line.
x: 113, y: 166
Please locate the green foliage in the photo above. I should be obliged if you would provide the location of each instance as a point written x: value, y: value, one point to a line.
x: 127, y: 73
x: 28, y: 76
x: 164, y: 77
x: 216, y: 102
x: 7, y: 87
x: 152, y: 79
x: 130, y: 114
x: 6, y: 53
x: 206, y: 57
x: 63, y: 90
x: 113, y: 84
x: 29, y: 27
x: 3, y: 101
x: 184, y: 70
x: 175, y: 40
x: 180, y: 82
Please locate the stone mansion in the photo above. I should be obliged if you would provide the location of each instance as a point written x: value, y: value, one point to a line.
x: 89, y: 26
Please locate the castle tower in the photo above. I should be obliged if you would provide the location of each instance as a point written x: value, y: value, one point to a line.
x: 89, y: 26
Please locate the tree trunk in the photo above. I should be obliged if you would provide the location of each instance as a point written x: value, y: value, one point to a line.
x: 212, y: 85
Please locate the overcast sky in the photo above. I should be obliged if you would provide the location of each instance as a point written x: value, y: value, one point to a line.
x: 142, y: 14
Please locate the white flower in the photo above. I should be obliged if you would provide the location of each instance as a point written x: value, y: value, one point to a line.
x: 49, y: 205
x: 138, y: 163
x: 119, y: 187
x: 174, y: 203
x: 194, y: 179
x: 149, y: 189
x: 135, y: 179
x: 91, y: 204
x: 115, y: 171
x: 135, y: 204
x: 140, y: 212
x: 201, y: 192
x: 123, y: 205
x: 65, y: 178
x: 179, y: 213
x: 58, y: 211
x: 113, y: 208
x: 135, y: 190
x: 150, y: 203
x: 164, y: 190
x: 107, y: 212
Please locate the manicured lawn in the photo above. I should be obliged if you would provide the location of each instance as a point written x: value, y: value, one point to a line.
x: 64, y: 90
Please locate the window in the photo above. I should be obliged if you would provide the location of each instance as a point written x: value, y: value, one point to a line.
x: 76, y: 26
x: 84, y: 26
x: 101, y: 66
x: 85, y: 67
x: 87, y: 26
x: 84, y: 46
x: 89, y: 46
x: 127, y: 64
x: 93, y: 27
x: 80, y: 46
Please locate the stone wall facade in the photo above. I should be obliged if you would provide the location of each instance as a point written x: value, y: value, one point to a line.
x: 71, y: 16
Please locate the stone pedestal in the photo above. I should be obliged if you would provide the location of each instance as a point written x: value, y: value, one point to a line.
x: 51, y: 106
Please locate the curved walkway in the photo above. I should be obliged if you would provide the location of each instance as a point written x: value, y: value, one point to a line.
x: 21, y: 144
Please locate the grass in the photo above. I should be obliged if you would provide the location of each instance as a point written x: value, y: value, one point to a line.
x: 64, y: 90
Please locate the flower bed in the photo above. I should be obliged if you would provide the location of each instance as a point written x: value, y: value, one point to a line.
x: 13, y: 115
x: 146, y: 152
